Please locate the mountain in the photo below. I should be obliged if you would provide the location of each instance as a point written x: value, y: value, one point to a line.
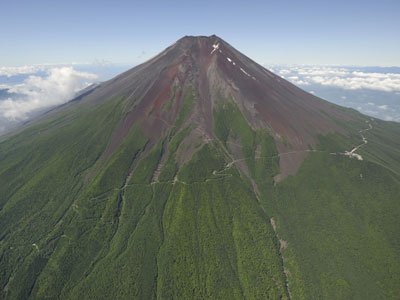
x: 200, y: 175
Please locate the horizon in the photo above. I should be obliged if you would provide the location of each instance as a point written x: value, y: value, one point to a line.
x: 28, y: 90
x: 81, y: 43
x: 97, y: 61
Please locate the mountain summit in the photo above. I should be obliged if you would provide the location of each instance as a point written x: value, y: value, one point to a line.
x: 199, y: 174
x: 216, y: 71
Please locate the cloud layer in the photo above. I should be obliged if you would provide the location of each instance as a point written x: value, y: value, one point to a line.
x: 35, y: 93
x: 341, y: 77
x: 374, y: 91
x: 32, y: 69
x: 12, y: 71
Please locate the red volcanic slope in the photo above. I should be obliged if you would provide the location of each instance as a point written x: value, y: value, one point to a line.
x: 216, y: 71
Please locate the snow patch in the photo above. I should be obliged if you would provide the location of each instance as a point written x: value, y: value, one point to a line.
x: 216, y: 47
x: 231, y: 61
x: 245, y: 72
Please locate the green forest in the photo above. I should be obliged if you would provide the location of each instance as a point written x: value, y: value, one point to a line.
x: 76, y: 226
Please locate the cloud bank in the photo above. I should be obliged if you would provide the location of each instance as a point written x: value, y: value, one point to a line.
x: 32, y: 69
x: 58, y: 86
x: 341, y: 77
x: 374, y: 91
x: 12, y: 71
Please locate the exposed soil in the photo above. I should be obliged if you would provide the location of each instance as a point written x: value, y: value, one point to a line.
x: 217, y: 72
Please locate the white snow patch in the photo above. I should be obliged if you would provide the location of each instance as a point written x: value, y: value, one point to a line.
x: 231, y: 61
x: 244, y: 72
x: 216, y: 47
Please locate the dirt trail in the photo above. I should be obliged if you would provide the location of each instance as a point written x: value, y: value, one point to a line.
x: 234, y: 161
x: 278, y: 155
x: 352, y: 153
x: 240, y: 146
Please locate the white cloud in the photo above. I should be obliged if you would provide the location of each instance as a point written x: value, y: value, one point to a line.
x: 301, y: 82
x: 342, y: 77
x: 32, y: 69
x: 59, y: 86
x: 372, y: 90
x: 284, y: 71
x: 11, y: 71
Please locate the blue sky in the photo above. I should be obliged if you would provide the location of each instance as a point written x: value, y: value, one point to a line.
x: 50, y: 50
x: 293, y: 32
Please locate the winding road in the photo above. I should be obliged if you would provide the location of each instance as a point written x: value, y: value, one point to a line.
x: 352, y: 153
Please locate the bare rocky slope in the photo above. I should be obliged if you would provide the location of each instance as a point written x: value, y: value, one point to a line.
x: 218, y: 72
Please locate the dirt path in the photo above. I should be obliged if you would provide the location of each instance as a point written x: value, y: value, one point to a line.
x: 352, y: 153
x: 240, y: 146
x: 278, y: 155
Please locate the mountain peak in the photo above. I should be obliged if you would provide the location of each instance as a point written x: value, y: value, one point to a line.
x: 162, y: 184
x: 195, y: 42
x: 203, y: 37
x: 217, y: 73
